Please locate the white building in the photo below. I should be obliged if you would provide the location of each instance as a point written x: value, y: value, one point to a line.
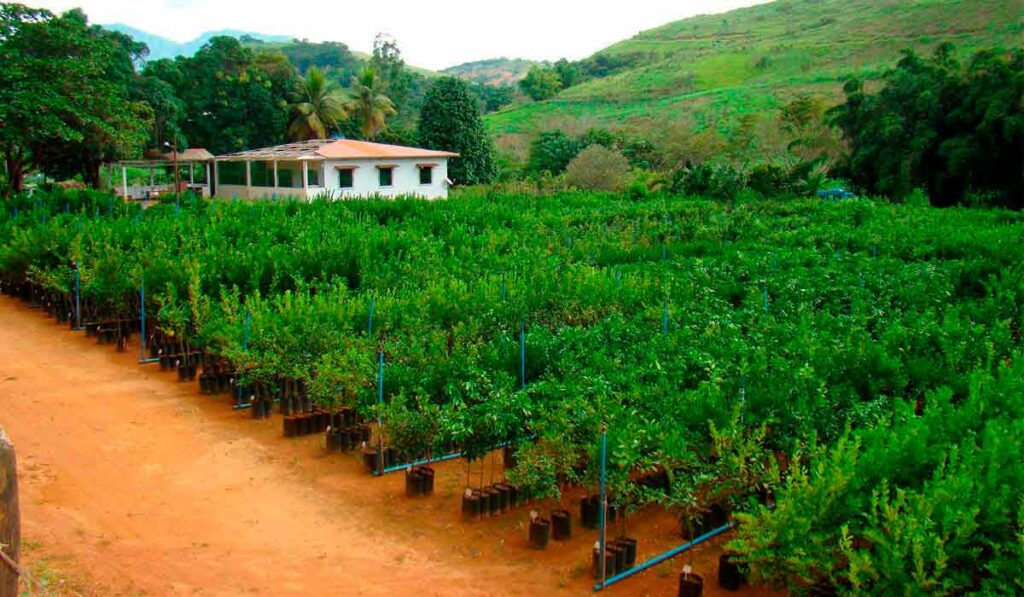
x: 332, y: 168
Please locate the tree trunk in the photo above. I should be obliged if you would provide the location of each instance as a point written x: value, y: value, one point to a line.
x: 15, y: 172
x: 10, y: 522
x: 91, y: 173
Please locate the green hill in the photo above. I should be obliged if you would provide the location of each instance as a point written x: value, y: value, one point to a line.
x: 715, y: 68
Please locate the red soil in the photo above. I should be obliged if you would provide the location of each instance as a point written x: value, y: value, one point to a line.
x: 135, y: 484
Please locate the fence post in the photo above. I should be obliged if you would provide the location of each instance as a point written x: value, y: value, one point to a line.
x: 10, y: 520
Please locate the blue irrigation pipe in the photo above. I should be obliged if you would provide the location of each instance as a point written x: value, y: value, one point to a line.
x: 452, y: 456
x: 522, y: 355
x: 78, y: 298
x: 239, y: 405
x: 142, y: 323
x: 665, y: 556
x: 602, y: 538
x: 664, y: 319
x: 380, y: 407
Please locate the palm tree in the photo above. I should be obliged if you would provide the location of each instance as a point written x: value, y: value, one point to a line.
x: 368, y: 104
x: 316, y: 107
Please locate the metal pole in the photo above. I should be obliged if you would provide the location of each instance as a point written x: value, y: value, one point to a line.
x: 142, y: 318
x: 380, y: 407
x: 78, y: 298
x: 604, y: 506
x: 522, y: 355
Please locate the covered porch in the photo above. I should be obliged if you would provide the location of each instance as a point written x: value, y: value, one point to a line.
x: 285, y: 171
x: 151, y: 178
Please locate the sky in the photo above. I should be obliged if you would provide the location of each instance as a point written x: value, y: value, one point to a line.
x: 433, y: 35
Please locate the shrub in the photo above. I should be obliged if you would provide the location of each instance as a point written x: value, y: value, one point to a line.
x: 597, y: 168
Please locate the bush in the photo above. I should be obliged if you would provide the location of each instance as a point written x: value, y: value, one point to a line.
x: 598, y: 169
x: 716, y: 181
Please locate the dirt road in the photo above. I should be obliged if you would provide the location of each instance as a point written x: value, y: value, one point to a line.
x: 135, y: 484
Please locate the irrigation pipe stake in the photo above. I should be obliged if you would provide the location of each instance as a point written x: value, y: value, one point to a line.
x: 78, y: 298
x: 604, y: 507
x: 245, y: 348
x: 522, y: 355
x: 665, y: 556
x: 142, y: 322
x: 380, y: 407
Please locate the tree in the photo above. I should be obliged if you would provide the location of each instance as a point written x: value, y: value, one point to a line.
x: 450, y: 121
x: 552, y: 151
x: 541, y: 83
x: 957, y: 132
x: 598, y: 168
x: 368, y: 104
x: 316, y: 108
x: 68, y: 95
x: 234, y: 98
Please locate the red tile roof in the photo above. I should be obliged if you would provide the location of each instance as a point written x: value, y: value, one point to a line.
x: 345, y: 149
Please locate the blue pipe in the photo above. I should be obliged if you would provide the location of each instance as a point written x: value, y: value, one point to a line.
x: 380, y: 407
x: 78, y: 298
x: 402, y: 467
x: 142, y: 326
x: 665, y: 556
x: 369, y: 320
x: 603, y: 508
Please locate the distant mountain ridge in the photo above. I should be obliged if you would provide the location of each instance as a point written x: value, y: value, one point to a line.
x: 161, y: 47
x: 495, y: 71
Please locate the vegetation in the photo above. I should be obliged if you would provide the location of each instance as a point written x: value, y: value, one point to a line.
x: 369, y: 106
x: 597, y: 168
x: 450, y: 121
x: 316, y: 108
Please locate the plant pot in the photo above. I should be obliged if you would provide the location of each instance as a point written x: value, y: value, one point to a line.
x: 255, y: 409
x: 494, y: 500
x: 561, y: 525
x: 413, y: 483
x: 471, y: 506
x: 122, y: 343
x: 366, y: 432
x: 690, y: 585
x: 504, y: 496
x: 629, y: 545
x: 609, y: 563
x: 182, y: 372
x: 716, y: 516
x: 508, y: 457
x: 620, y: 556
x: 427, y: 477
x: 370, y: 459
x: 485, y: 502
x: 730, y: 577
x: 589, y: 512
x: 390, y: 457
x: 540, y: 533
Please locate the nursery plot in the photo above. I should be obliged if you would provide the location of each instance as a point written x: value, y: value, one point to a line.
x: 836, y: 359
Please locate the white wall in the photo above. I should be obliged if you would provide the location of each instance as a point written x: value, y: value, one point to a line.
x: 406, y: 178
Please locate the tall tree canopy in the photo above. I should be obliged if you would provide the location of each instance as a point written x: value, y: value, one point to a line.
x: 368, y: 104
x: 234, y: 98
x: 956, y: 131
x: 450, y: 121
x: 316, y: 108
x: 69, y: 95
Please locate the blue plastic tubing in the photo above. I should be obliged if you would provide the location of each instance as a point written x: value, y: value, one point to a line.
x: 666, y: 556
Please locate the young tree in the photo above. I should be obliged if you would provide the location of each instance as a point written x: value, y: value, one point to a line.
x: 316, y: 108
x: 450, y: 121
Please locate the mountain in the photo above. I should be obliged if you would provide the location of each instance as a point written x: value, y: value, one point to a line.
x: 718, y: 68
x: 160, y: 47
x: 496, y: 71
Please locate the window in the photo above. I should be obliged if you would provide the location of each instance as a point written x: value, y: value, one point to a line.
x: 345, y: 178
x: 314, y: 177
x: 387, y: 176
x: 426, y: 175
x: 231, y: 173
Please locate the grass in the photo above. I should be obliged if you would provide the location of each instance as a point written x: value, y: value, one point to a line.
x: 716, y: 67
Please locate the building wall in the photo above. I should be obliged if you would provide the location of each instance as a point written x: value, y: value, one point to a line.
x: 365, y: 181
x: 406, y: 178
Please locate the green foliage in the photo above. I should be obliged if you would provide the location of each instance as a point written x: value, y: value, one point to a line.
x: 368, y: 106
x: 953, y: 130
x: 450, y: 121
x: 316, y: 108
x: 67, y: 95
x: 541, y: 83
